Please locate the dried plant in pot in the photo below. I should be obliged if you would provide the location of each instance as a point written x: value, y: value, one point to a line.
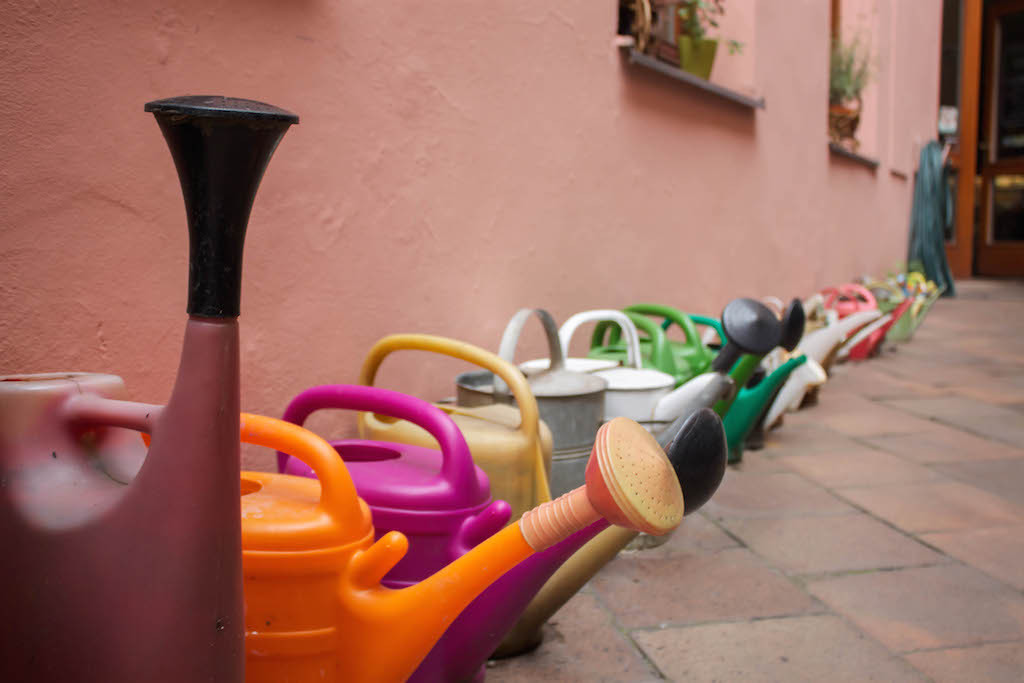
x: 849, y: 73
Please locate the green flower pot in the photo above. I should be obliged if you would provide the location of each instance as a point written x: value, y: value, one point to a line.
x: 697, y: 56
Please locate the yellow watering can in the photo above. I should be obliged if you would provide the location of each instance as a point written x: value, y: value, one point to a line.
x: 510, y: 443
x: 314, y: 606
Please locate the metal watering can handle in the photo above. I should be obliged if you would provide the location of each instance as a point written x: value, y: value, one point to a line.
x: 633, y: 357
x: 510, y: 339
x: 529, y: 416
x: 456, y: 461
x: 338, y: 495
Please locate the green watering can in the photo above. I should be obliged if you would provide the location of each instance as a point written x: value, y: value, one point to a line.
x: 681, y: 359
x: 655, y: 350
x: 749, y: 325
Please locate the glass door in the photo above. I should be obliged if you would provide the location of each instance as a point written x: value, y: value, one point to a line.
x: 1000, y: 240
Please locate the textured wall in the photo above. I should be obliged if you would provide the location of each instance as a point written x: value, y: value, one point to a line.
x: 455, y: 161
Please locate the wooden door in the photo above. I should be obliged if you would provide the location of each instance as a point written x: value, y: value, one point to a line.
x: 1000, y: 238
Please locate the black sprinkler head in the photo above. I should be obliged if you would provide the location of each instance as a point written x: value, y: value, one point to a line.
x: 751, y: 328
x: 698, y: 454
x: 793, y: 325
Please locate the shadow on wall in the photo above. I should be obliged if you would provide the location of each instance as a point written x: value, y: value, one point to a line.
x: 647, y: 89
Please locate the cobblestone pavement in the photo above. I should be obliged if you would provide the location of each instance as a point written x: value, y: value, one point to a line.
x: 878, y: 536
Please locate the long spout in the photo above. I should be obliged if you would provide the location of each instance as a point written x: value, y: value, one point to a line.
x: 625, y: 457
x: 753, y: 402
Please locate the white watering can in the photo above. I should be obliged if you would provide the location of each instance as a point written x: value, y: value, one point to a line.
x: 642, y: 394
x: 818, y: 346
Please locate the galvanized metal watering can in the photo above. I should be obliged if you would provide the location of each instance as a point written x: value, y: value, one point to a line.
x: 118, y: 567
x: 642, y: 394
x: 510, y: 443
x: 696, y: 445
x: 315, y: 610
x: 570, y: 403
x: 437, y: 498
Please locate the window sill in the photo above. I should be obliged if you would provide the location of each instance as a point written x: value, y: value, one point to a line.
x: 640, y: 59
x: 841, y: 151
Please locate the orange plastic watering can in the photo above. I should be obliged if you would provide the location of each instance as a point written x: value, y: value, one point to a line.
x: 314, y: 606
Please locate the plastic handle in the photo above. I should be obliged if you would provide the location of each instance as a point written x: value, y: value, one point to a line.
x: 96, y: 410
x: 850, y: 290
x: 672, y: 314
x: 338, y: 495
x: 530, y: 418
x: 456, y: 461
x: 661, y: 354
x: 569, y: 327
x: 707, y: 321
x: 510, y: 338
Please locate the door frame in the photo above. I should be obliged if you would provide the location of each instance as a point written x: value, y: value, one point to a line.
x: 992, y: 258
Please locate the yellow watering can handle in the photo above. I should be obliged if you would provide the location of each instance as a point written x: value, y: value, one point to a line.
x: 529, y: 416
x: 338, y: 495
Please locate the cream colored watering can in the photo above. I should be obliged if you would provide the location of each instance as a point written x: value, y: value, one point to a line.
x: 510, y: 443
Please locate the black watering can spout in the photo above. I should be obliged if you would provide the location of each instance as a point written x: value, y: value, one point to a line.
x: 750, y: 328
x: 221, y: 147
x: 793, y: 321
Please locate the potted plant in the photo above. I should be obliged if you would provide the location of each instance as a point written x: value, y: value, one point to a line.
x: 696, y: 50
x: 849, y: 73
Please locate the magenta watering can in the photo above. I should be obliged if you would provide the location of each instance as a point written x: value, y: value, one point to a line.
x: 439, y: 499
x: 121, y: 566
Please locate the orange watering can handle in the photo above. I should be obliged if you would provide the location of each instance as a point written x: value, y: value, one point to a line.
x: 338, y: 494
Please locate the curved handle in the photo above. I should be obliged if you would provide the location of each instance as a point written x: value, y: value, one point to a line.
x: 661, y: 354
x: 672, y: 315
x: 510, y: 338
x: 569, y: 327
x: 463, y: 351
x: 850, y: 290
x: 456, y: 461
x: 338, y: 495
x: 529, y: 417
x: 707, y: 321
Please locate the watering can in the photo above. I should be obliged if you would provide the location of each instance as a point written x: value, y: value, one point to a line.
x: 642, y: 394
x: 681, y: 359
x: 421, y: 493
x: 849, y: 298
x: 696, y: 445
x: 868, y: 341
x: 438, y: 498
x: 315, y: 609
x: 510, y: 443
x: 121, y: 566
x: 751, y: 404
x: 570, y: 403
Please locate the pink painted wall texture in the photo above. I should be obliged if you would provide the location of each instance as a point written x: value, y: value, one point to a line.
x: 455, y: 161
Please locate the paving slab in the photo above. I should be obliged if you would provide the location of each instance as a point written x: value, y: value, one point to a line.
x: 812, y: 649
x: 999, y: 552
x: 580, y: 643
x: 862, y: 466
x: 943, y: 444
x: 935, y: 506
x: 926, y: 608
x: 1005, y: 478
x: 815, y: 545
x: 999, y: 663
x: 781, y: 494
x: 730, y: 584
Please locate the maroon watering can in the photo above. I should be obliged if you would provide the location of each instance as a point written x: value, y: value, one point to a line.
x: 121, y: 566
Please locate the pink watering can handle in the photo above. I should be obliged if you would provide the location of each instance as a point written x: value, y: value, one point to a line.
x: 852, y: 291
x: 456, y: 462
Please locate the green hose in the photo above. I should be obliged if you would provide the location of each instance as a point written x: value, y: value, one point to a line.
x: 928, y: 218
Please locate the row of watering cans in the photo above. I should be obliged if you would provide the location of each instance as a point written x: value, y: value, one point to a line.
x: 166, y: 562
x: 388, y: 557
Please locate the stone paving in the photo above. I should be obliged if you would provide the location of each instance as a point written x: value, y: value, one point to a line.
x: 878, y: 536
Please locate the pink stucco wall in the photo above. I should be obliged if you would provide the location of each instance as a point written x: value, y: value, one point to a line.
x: 455, y: 162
